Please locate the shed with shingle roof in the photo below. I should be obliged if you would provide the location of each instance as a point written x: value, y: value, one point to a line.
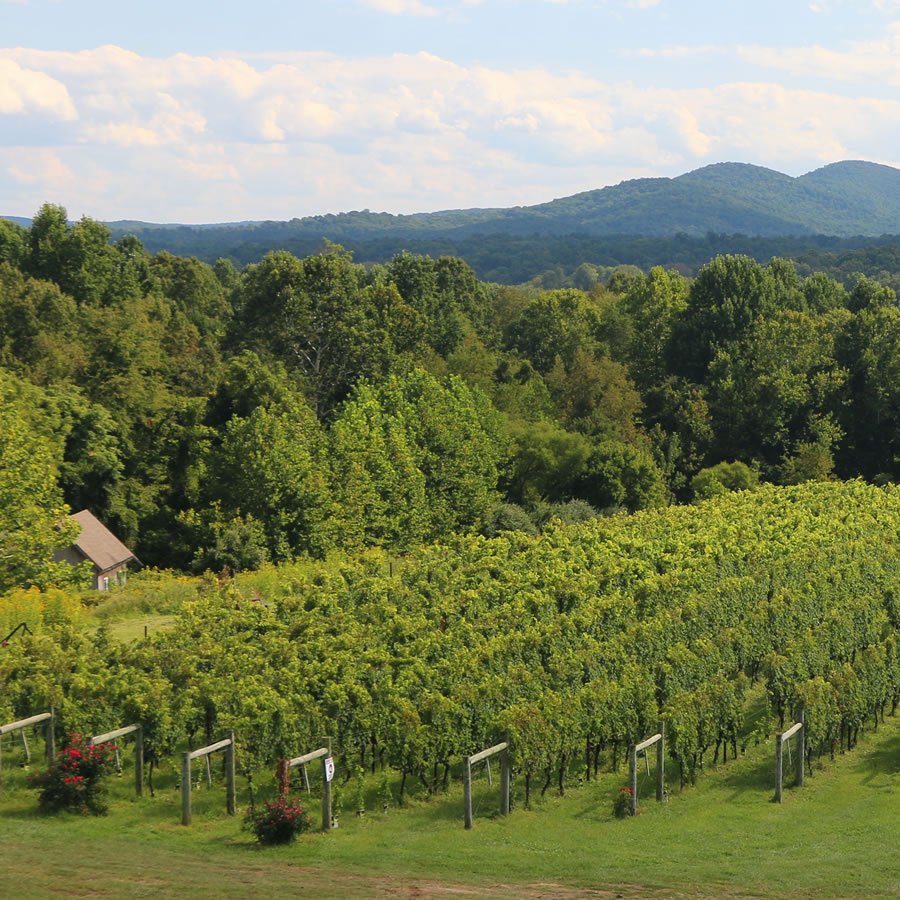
x: 97, y: 544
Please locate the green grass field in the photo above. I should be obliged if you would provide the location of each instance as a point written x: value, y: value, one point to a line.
x: 835, y: 838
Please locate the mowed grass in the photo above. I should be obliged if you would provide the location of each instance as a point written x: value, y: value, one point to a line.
x: 837, y: 837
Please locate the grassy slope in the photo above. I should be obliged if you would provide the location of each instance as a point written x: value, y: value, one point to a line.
x: 835, y: 838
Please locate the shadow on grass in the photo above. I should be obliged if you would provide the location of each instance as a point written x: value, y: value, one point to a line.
x: 881, y: 760
x: 754, y: 776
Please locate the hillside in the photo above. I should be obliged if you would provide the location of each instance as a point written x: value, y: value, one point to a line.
x: 842, y: 199
x: 788, y: 216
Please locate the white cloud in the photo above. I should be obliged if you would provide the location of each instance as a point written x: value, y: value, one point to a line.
x: 25, y: 90
x: 866, y: 61
x: 197, y: 138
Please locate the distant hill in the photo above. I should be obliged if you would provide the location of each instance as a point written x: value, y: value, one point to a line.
x: 842, y: 200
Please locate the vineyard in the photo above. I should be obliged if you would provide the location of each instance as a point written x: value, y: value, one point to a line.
x: 574, y: 644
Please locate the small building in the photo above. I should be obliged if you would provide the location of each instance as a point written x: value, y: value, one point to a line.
x: 96, y: 543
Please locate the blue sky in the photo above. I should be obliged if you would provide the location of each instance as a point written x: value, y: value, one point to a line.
x: 200, y: 111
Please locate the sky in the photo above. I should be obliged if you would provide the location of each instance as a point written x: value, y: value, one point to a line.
x: 198, y: 111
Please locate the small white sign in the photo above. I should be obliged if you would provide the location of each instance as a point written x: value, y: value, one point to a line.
x: 329, y: 768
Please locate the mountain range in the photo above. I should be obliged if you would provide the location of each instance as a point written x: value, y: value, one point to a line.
x: 841, y: 199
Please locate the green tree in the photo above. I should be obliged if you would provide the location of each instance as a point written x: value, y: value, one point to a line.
x: 555, y: 324
x: 726, y: 298
x: 193, y: 288
x: 622, y: 475
x: 458, y: 445
x: 32, y: 514
x: 723, y: 477
x: 273, y: 466
x: 546, y: 463
x: 654, y: 302
x: 378, y: 488
x: 767, y: 392
x: 13, y: 242
x: 316, y: 317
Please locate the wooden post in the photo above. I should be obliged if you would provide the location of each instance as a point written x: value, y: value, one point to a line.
x: 632, y: 777
x: 186, y: 788
x: 503, y: 750
x: 779, y: 744
x: 467, y: 791
x: 21, y: 724
x: 801, y: 749
x: 50, y: 737
x: 139, y: 761
x: 25, y: 747
x: 323, y: 753
x: 138, y: 732
x: 326, y: 796
x: 505, y: 779
x: 780, y: 739
x: 229, y: 775
x: 661, y: 764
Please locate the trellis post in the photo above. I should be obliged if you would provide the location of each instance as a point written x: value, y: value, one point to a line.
x: 801, y: 749
x: 138, y: 732
x: 323, y: 753
x: 505, y: 778
x: 50, y: 737
x: 48, y: 718
x: 661, y: 764
x: 186, y: 788
x: 227, y: 744
x: 326, y: 795
x: 780, y: 739
x: 633, y: 751
x: 230, y: 788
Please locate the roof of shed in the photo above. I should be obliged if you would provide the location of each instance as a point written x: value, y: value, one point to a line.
x: 98, y: 543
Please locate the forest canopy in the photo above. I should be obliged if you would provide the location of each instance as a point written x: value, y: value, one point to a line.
x: 220, y: 417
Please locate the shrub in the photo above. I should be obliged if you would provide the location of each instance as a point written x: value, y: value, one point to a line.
x: 722, y: 478
x: 279, y: 822
x: 622, y: 803
x: 74, y: 781
x: 508, y: 517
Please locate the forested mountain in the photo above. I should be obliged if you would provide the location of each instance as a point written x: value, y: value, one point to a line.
x: 213, y: 416
x: 842, y: 199
x: 681, y: 222
x: 847, y: 198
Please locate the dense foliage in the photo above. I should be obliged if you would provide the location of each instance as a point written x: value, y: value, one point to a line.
x: 215, y: 418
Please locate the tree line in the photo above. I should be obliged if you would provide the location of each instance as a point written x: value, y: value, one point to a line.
x: 217, y: 417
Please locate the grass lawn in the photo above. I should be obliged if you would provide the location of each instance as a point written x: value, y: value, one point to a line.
x: 835, y: 838
x: 134, y: 627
